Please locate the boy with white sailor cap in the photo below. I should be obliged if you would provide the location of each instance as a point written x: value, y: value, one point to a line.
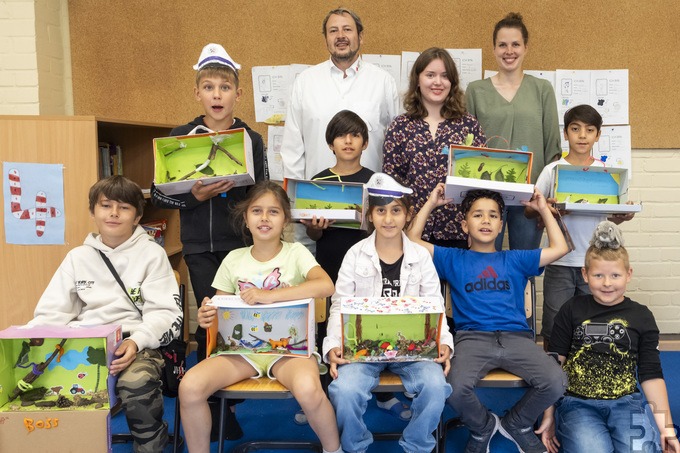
x: 206, y: 229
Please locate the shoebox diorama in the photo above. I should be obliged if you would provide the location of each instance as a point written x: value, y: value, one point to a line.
x: 593, y: 190
x: 391, y: 329
x: 504, y: 171
x: 343, y: 202
x: 281, y: 328
x: 180, y: 161
x: 55, y: 388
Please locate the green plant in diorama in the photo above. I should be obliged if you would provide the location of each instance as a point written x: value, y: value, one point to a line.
x: 520, y: 173
x: 510, y: 175
x: 96, y: 356
x: 486, y: 175
x: 293, y: 333
x: 498, y: 176
x: 328, y: 206
x: 464, y: 170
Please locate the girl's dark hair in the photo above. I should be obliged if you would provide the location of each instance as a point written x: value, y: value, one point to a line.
x: 454, y: 104
x: 512, y: 20
x: 406, y: 202
x: 346, y: 122
x: 255, y: 192
x: 474, y: 195
x: 120, y: 189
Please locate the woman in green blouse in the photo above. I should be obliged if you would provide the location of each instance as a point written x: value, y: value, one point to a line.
x: 521, y: 111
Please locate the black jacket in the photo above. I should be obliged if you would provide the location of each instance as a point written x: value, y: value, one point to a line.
x: 208, y: 226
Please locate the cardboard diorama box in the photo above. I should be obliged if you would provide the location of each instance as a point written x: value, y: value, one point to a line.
x: 505, y: 171
x: 343, y: 202
x: 55, y: 389
x: 180, y: 161
x: 390, y: 329
x: 281, y: 328
x: 593, y: 190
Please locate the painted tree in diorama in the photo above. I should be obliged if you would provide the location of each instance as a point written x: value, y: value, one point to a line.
x: 427, y: 324
x: 359, y: 333
x: 96, y: 356
x: 293, y: 333
x: 37, y: 369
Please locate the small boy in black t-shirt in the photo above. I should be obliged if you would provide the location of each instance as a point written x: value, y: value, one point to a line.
x: 608, y: 344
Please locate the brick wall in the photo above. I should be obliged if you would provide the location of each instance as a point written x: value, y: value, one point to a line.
x: 54, y: 57
x: 35, y: 63
x: 18, y: 60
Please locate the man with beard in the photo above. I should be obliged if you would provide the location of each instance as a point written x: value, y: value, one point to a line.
x: 344, y: 82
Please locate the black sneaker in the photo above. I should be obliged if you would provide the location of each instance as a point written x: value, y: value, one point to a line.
x: 524, y: 438
x: 479, y: 442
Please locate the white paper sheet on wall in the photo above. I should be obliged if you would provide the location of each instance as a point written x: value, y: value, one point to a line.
x: 407, y: 60
x: 34, y: 203
x: 272, y: 86
x: 606, y: 90
x: 274, y: 139
x: 390, y: 63
x: 469, y: 65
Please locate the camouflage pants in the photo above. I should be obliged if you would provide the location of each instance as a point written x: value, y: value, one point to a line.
x: 139, y: 388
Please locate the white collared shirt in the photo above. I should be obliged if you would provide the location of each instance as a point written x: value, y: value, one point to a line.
x: 318, y: 94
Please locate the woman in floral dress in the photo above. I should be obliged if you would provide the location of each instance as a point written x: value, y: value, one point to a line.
x: 417, y: 143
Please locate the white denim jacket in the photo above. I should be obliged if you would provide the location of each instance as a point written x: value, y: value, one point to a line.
x: 361, y: 275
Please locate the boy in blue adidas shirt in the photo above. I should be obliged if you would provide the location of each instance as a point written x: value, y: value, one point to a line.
x: 487, y: 289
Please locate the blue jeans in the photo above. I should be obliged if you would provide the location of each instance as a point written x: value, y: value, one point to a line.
x: 560, y: 284
x: 351, y: 392
x: 523, y: 234
x: 603, y: 426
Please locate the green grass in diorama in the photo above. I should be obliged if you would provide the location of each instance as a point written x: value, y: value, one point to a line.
x: 202, y: 157
x: 490, y: 169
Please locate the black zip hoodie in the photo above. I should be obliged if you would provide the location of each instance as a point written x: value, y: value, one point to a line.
x: 208, y: 226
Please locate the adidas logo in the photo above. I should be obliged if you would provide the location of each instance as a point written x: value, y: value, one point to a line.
x: 488, y: 281
x: 488, y: 272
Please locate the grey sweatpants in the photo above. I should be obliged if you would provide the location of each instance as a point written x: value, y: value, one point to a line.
x: 476, y: 353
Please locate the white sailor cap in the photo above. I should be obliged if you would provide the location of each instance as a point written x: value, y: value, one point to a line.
x: 383, y: 189
x: 215, y: 54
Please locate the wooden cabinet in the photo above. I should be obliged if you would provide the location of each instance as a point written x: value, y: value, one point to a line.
x: 25, y: 270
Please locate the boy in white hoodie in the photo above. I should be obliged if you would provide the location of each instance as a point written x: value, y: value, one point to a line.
x: 84, y: 291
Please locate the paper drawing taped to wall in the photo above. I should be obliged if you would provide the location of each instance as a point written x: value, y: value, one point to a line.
x: 34, y: 203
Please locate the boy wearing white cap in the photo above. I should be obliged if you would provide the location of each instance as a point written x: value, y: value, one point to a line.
x: 207, y: 232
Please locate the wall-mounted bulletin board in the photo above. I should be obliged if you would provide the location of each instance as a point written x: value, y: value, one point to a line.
x: 133, y: 60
